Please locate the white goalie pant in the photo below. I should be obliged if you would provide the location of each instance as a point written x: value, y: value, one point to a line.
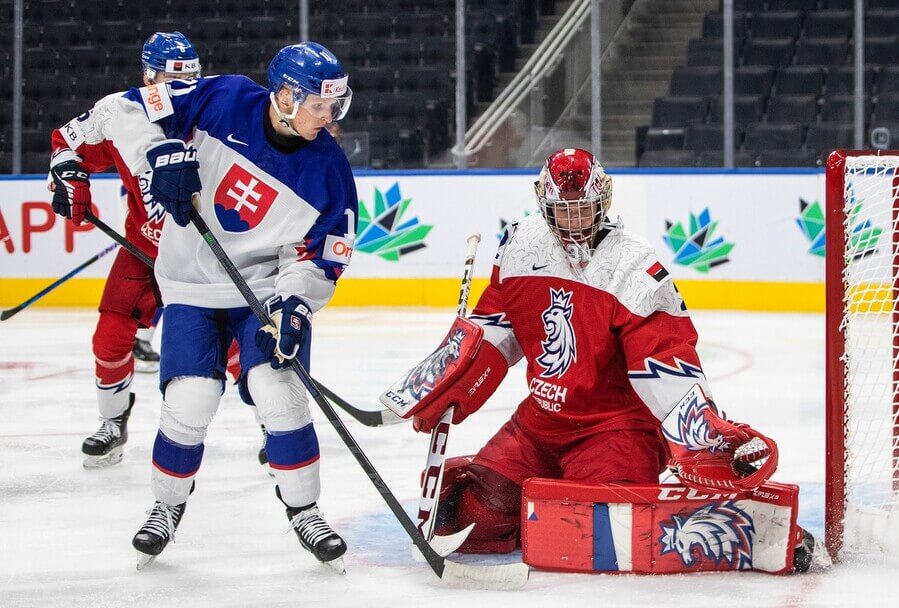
x: 190, y: 404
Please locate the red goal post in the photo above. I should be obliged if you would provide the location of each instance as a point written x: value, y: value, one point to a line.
x: 862, y: 351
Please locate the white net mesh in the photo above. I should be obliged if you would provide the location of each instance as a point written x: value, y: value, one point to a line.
x: 871, y: 325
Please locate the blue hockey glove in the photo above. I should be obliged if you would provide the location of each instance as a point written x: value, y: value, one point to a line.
x: 175, y: 177
x: 293, y: 320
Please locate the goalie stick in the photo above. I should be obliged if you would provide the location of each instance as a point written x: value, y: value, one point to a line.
x: 432, y: 480
x: 366, y: 417
x: 507, y: 576
x: 16, y: 309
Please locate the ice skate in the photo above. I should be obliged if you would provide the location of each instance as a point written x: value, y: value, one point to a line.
x: 106, y: 447
x: 810, y: 555
x: 156, y: 533
x: 146, y: 360
x: 316, y: 535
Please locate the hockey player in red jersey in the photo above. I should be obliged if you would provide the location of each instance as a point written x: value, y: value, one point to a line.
x: 130, y: 298
x: 611, y: 354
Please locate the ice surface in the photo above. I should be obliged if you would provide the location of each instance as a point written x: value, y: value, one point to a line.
x: 65, y: 532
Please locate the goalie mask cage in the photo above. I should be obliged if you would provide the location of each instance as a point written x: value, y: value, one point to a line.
x: 862, y: 258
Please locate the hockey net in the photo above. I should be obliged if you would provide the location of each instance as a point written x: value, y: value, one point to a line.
x: 862, y: 228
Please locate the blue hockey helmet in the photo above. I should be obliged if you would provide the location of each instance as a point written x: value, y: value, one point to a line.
x: 309, y: 68
x: 170, y: 53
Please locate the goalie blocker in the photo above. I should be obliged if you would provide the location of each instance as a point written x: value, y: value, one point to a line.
x: 463, y: 372
x: 658, y: 529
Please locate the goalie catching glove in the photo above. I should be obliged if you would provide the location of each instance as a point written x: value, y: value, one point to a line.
x: 462, y: 373
x: 292, y: 328
x: 709, y: 452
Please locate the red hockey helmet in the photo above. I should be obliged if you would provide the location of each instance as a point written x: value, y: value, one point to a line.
x: 574, y: 193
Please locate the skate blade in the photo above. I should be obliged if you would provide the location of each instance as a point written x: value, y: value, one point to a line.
x: 144, y: 560
x: 146, y: 367
x: 337, y: 565
x: 113, y: 457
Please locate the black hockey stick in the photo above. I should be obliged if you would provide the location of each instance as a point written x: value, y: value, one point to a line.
x: 366, y: 417
x: 511, y: 576
x: 12, y: 311
x: 118, y: 238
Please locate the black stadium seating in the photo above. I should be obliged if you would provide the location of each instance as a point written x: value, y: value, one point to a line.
x: 794, y: 81
x: 799, y: 80
x: 400, y: 55
x: 793, y: 108
x: 677, y: 111
x: 747, y: 108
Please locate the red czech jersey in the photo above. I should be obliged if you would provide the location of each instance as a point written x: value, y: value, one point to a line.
x: 82, y: 136
x: 608, y: 346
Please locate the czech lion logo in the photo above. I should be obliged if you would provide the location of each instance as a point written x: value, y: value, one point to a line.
x: 559, y: 347
x: 693, y: 431
x: 421, y: 379
x: 722, y: 532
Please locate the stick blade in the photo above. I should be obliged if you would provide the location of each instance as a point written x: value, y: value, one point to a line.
x: 8, y: 313
x: 444, y: 545
x: 505, y: 577
x: 389, y: 417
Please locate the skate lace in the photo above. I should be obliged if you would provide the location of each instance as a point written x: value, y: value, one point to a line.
x: 109, y: 430
x: 161, y: 521
x: 310, y: 525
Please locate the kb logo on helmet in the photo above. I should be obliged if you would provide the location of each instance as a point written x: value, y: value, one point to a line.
x: 334, y: 88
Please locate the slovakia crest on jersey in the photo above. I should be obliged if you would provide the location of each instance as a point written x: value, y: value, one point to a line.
x: 721, y: 532
x: 559, y: 347
x: 242, y: 200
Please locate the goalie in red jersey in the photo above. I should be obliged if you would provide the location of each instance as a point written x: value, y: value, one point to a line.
x: 615, y: 392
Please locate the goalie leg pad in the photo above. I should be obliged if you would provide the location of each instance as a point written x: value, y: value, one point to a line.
x: 657, y: 529
x: 491, y: 502
x: 478, y: 495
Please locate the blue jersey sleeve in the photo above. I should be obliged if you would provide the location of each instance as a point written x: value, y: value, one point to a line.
x: 310, y: 268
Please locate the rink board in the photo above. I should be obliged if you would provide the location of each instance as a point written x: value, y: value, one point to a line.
x: 742, y: 239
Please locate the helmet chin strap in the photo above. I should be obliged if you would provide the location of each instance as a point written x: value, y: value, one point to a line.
x: 283, y: 118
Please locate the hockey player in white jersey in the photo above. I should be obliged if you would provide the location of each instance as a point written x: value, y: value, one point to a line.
x: 129, y: 306
x: 279, y: 195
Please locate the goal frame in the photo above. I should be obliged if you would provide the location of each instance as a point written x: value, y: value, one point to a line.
x: 835, y: 262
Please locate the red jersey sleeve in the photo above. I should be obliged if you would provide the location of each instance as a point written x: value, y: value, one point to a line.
x: 489, y: 312
x: 660, y: 350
